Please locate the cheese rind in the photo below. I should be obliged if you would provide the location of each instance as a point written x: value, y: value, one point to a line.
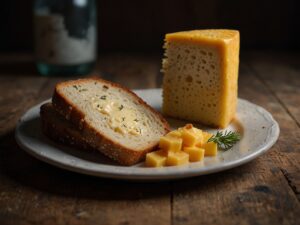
x: 200, y: 76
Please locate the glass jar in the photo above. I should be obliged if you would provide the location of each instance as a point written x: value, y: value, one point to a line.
x: 65, y: 36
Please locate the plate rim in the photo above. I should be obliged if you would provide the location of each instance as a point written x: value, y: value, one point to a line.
x: 166, y: 173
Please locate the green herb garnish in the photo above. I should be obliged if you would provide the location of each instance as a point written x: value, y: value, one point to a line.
x: 225, y: 140
x: 84, y: 89
x: 121, y: 107
x: 103, y: 97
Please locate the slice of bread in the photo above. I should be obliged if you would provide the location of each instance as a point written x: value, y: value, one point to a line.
x: 200, y: 76
x: 59, y: 129
x: 110, y: 118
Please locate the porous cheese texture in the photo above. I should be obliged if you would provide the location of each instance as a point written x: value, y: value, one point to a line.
x: 200, y: 76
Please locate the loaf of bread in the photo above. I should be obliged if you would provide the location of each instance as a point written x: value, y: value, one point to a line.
x: 200, y: 76
x: 107, y: 117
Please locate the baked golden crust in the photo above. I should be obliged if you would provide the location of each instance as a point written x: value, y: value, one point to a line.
x: 57, y: 128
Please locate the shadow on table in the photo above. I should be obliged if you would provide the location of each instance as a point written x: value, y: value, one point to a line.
x: 24, y: 170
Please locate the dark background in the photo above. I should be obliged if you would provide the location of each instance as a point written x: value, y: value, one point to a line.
x: 140, y: 25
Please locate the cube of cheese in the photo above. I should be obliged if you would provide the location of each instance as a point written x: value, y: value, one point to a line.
x: 211, y: 149
x: 177, y: 158
x: 174, y: 133
x: 197, y: 131
x: 156, y: 159
x: 206, y: 136
x: 195, y: 154
x: 191, y: 137
x: 169, y: 143
x: 200, y: 76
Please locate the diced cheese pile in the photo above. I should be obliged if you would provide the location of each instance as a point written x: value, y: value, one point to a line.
x: 181, y: 146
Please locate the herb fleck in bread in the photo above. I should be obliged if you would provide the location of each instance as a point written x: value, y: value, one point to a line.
x: 111, y: 118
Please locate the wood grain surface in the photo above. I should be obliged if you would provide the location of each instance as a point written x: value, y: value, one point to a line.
x: 264, y: 191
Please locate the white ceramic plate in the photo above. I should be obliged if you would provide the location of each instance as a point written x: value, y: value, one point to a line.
x: 258, y: 128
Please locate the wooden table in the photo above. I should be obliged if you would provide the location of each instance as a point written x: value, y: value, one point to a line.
x: 264, y: 191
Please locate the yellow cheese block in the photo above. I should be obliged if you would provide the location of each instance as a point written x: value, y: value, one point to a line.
x: 200, y: 76
x: 169, y: 143
x: 156, y: 159
x: 195, y: 154
x: 177, y: 158
x: 211, y: 149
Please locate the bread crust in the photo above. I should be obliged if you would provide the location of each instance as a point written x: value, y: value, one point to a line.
x: 58, y: 129
x: 97, y: 139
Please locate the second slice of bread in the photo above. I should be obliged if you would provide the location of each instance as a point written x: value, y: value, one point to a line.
x: 111, y: 118
x: 59, y: 129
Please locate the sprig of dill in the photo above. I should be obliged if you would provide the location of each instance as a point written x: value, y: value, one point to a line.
x: 225, y: 140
